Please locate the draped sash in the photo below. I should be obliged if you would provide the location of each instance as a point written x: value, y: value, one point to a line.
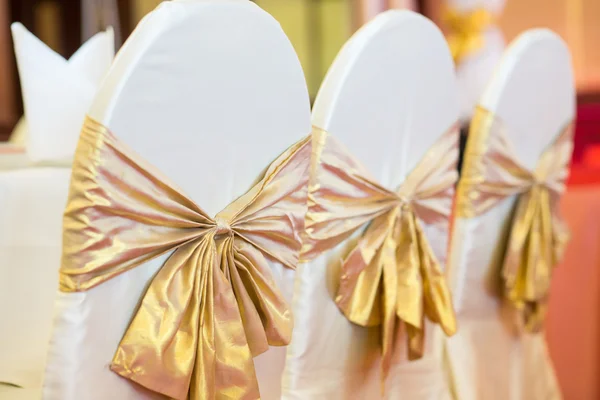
x: 537, y: 235
x: 391, y: 276
x: 213, y: 305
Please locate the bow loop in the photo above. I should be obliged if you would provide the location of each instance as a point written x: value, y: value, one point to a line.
x: 222, y: 227
x: 391, y: 277
x: 362, y: 272
x: 214, y: 304
x: 537, y: 236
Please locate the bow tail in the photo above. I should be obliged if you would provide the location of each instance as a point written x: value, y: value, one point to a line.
x: 267, y: 318
x: 224, y: 363
x: 436, y: 295
x: 387, y: 258
x: 359, y: 293
x: 409, y: 301
x: 530, y: 257
x: 560, y: 234
x: 154, y: 351
x: 190, y: 304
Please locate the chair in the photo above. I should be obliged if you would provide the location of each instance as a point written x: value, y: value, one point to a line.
x: 533, y: 94
x: 388, y: 97
x: 209, y: 93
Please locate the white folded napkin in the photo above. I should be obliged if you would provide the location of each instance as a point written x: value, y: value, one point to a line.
x: 56, y: 92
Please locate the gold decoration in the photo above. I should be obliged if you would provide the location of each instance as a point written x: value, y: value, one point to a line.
x: 537, y: 236
x: 213, y: 305
x: 467, y: 30
x: 392, y: 274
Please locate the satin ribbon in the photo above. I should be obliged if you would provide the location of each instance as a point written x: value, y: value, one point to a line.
x: 213, y: 305
x: 537, y: 235
x: 391, y: 276
x: 467, y: 30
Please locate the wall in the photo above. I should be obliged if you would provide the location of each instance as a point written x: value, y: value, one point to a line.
x: 575, y: 20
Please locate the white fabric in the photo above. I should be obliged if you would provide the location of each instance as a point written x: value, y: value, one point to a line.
x: 194, y: 76
x: 32, y: 199
x: 475, y: 71
x: 388, y: 97
x: 54, y: 90
x: 15, y: 393
x: 533, y: 93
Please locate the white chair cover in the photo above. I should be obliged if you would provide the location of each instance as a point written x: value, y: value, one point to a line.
x: 209, y: 92
x: 389, y: 95
x: 533, y: 94
x: 475, y: 71
x: 32, y: 198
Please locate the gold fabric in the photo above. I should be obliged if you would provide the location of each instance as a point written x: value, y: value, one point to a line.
x: 392, y: 273
x: 466, y: 31
x: 213, y: 305
x: 537, y: 235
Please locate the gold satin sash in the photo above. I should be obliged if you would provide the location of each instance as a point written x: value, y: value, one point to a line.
x: 467, y: 30
x: 213, y: 305
x: 537, y: 235
x: 392, y: 273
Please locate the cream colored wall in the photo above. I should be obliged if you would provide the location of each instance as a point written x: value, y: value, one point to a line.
x: 293, y: 15
x: 405, y: 4
x: 336, y: 22
x: 141, y: 8
x: 317, y: 30
x: 575, y: 20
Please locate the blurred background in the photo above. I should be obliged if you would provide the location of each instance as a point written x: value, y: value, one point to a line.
x: 478, y: 31
x: 317, y: 29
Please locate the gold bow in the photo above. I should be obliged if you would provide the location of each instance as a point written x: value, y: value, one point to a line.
x: 467, y: 30
x: 213, y: 305
x: 392, y: 273
x: 537, y: 235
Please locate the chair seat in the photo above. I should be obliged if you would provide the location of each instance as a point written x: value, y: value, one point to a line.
x: 8, y: 392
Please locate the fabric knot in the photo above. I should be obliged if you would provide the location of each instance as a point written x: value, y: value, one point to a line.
x: 404, y: 203
x: 539, y: 180
x: 222, y: 227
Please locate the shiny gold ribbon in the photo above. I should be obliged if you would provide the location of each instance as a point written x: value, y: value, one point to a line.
x: 537, y: 235
x: 213, y: 305
x: 392, y: 273
x: 467, y: 30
